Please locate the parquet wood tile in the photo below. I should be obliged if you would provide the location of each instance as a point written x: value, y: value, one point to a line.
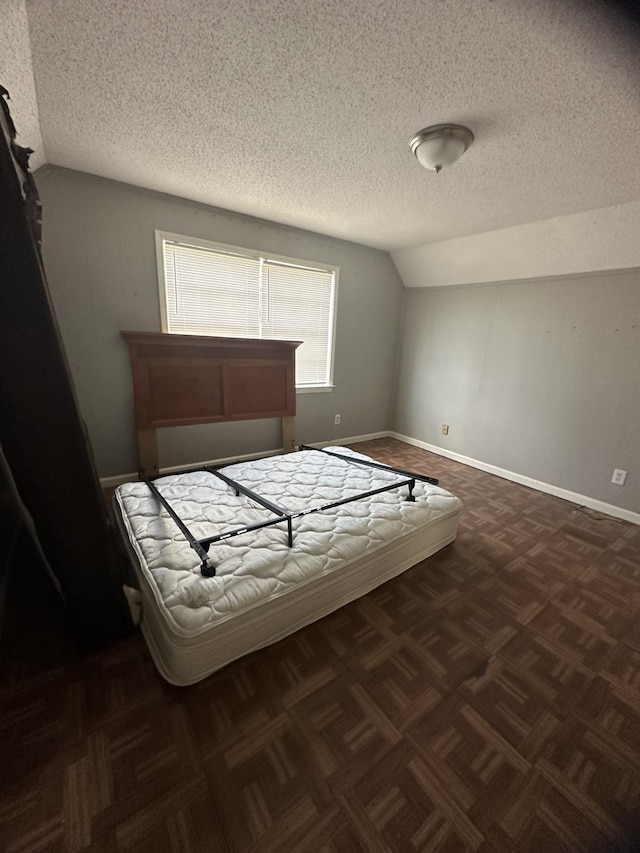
x: 480, y: 623
x: 543, y: 818
x: 516, y: 600
x: 496, y: 544
x: 596, y: 613
x: 488, y: 699
x: 521, y: 710
x: 449, y: 656
x: 402, y: 685
x: 611, y: 584
x: 627, y: 546
x: 593, y: 776
x: 579, y: 639
x: 613, y: 712
x: 549, y: 672
x: 536, y: 576
x: 622, y: 669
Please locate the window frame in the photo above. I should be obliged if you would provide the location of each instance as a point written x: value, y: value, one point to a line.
x: 198, y: 243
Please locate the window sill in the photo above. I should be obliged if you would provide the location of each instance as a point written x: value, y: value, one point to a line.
x: 314, y: 389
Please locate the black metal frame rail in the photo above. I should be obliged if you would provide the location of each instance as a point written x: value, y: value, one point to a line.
x: 201, y: 546
x: 370, y: 464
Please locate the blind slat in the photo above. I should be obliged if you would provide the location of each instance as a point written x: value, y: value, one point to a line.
x: 212, y: 292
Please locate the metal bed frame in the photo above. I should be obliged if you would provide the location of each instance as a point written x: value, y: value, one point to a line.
x: 281, y: 514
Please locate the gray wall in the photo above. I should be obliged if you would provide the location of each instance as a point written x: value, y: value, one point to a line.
x: 99, y: 255
x: 541, y: 378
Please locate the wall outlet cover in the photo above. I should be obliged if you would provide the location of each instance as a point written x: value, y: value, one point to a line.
x: 619, y: 477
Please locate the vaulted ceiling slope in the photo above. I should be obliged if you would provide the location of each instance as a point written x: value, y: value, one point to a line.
x: 301, y: 112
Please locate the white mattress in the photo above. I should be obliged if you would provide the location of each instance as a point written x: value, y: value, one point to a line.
x: 263, y: 590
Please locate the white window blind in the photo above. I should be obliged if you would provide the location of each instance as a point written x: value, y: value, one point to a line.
x: 214, y: 290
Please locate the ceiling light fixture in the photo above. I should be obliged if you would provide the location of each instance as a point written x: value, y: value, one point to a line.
x: 440, y: 145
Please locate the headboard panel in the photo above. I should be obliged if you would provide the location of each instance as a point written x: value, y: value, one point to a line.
x: 190, y: 379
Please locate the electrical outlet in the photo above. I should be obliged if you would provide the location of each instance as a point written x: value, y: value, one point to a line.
x: 619, y: 477
x: 336, y: 420
x: 445, y: 429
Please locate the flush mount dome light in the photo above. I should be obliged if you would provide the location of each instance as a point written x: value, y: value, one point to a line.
x: 440, y: 145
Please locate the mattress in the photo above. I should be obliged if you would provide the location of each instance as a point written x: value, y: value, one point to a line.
x: 263, y: 589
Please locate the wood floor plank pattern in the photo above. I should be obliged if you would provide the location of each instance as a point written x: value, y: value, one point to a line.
x: 486, y: 700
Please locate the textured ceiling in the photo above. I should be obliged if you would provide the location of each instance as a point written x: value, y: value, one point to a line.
x: 301, y: 112
x: 16, y: 75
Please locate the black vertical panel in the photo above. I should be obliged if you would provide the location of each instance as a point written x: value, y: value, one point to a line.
x: 11, y: 527
x: 41, y: 432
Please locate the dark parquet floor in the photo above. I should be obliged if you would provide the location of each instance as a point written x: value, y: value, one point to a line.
x: 487, y: 699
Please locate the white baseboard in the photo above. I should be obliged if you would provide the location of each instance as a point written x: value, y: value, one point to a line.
x: 118, y: 479
x: 548, y: 488
x: 352, y: 439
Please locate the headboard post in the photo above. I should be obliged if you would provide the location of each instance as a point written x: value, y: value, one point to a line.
x: 148, y: 456
x: 192, y: 379
x: 288, y: 434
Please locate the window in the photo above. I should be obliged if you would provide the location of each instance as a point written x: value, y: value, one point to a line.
x: 211, y: 289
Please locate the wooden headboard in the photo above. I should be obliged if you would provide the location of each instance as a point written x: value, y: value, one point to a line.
x: 190, y: 379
